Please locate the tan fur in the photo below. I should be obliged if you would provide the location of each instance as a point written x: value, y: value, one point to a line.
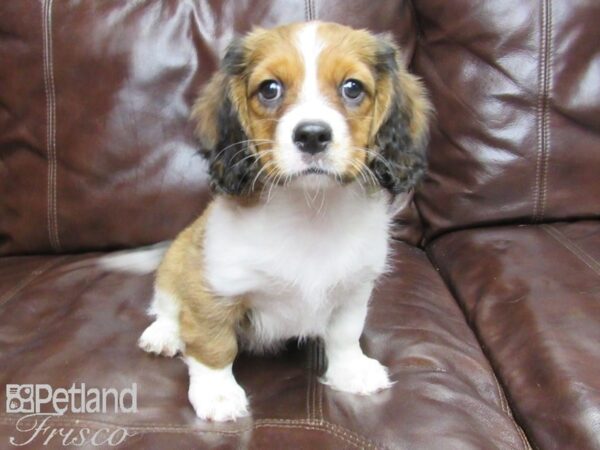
x: 417, y: 104
x: 207, y: 324
x: 204, y: 112
x: 350, y: 53
x: 270, y: 54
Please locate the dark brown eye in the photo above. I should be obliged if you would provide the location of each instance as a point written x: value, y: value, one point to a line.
x: 270, y: 91
x: 352, y: 90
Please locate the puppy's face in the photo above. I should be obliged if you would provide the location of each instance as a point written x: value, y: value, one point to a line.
x: 312, y: 104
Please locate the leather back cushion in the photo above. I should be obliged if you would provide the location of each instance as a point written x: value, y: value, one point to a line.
x: 96, y: 149
x: 516, y: 86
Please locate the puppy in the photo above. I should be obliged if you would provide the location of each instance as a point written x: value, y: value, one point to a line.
x: 310, y: 129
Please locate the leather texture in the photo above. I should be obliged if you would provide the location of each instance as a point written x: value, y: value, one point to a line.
x: 531, y: 293
x: 99, y: 127
x: 97, y: 153
x: 69, y: 318
x: 515, y: 88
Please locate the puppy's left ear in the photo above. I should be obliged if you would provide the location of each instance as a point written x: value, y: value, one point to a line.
x: 218, y: 114
x: 401, y: 126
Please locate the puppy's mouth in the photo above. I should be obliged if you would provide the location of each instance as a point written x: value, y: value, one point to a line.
x: 315, y: 171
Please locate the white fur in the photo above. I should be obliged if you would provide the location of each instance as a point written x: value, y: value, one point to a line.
x: 162, y: 336
x: 214, y: 393
x: 139, y: 261
x: 348, y: 368
x: 297, y: 262
x: 312, y: 105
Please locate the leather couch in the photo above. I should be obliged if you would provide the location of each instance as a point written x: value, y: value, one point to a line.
x: 489, y: 320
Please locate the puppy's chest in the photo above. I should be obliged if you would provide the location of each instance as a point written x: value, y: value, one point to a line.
x: 293, y: 271
x: 292, y: 256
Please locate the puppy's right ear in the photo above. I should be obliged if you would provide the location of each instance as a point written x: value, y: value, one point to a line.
x: 224, y: 141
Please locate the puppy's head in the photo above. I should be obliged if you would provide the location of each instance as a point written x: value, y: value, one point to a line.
x: 313, y: 104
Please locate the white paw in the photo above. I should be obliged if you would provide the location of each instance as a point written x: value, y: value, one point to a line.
x: 360, y: 375
x: 219, y: 402
x: 162, y: 338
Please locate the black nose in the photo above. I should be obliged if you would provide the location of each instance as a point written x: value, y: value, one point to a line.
x: 312, y: 137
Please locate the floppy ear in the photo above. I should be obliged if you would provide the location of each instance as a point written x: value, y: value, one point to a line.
x: 232, y: 164
x: 401, y: 122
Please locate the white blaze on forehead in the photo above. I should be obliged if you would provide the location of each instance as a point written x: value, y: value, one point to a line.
x: 311, y: 105
x: 310, y: 47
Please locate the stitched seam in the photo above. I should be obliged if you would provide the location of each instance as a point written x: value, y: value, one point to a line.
x: 546, y: 125
x: 315, y: 379
x: 320, y: 385
x: 314, y: 9
x: 503, y: 404
x: 42, y: 268
x: 309, y: 10
x: 315, y: 385
x: 351, y: 437
x: 309, y: 378
x: 48, y: 122
x: 575, y: 249
x: 506, y: 409
x: 48, y: 64
x: 523, y: 436
x: 540, y: 112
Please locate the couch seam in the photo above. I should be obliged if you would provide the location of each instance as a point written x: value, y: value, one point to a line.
x: 321, y: 367
x: 539, y: 200
x: 538, y: 114
x: 314, y: 393
x: 41, y: 269
x: 343, y: 433
x: 503, y: 404
x: 575, y: 249
x: 548, y: 84
x: 506, y: 408
x: 315, y: 380
x: 470, y: 323
x: 309, y: 10
x: 49, y: 86
x: 309, y: 371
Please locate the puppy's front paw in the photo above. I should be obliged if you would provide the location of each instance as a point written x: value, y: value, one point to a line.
x: 161, y: 338
x: 219, y: 402
x: 360, y: 375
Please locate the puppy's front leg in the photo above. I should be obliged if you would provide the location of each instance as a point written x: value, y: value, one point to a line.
x: 209, y: 334
x: 349, y: 369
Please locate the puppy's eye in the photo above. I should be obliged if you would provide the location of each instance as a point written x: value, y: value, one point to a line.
x: 352, y: 90
x: 270, y: 91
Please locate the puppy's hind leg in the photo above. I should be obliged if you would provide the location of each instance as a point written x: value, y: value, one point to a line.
x: 162, y: 337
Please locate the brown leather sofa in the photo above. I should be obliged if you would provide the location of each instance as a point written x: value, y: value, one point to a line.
x: 490, y: 319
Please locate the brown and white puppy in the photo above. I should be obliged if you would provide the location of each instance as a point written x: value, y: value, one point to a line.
x: 310, y: 129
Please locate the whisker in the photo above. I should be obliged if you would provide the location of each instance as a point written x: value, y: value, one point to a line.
x: 256, y: 155
x: 263, y: 168
x: 246, y: 141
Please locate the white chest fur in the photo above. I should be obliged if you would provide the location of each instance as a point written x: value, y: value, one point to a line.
x: 294, y: 258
